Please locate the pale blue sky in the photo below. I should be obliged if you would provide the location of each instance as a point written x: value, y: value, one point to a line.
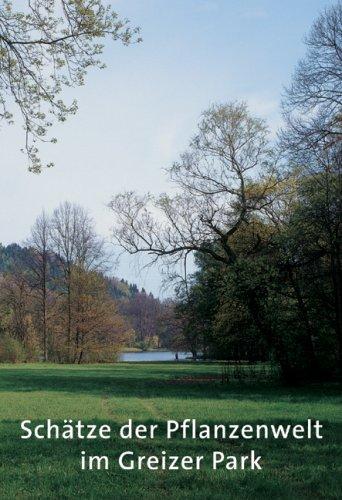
x: 136, y: 116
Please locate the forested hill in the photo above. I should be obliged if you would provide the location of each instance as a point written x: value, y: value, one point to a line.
x: 142, y: 311
x: 14, y: 256
x: 11, y: 255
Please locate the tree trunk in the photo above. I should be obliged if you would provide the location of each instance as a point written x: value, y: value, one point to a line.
x: 272, y: 339
x: 303, y: 316
x: 336, y: 280
x: 44, y: 326
x: 69, y: 318
x: 45, y: 340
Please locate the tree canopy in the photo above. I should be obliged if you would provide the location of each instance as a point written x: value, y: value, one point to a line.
x: 47, y: 46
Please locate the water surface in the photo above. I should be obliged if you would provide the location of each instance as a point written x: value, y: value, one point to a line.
x: 153, y: 356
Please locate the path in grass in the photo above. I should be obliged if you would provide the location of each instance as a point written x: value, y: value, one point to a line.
x: 153, y: 393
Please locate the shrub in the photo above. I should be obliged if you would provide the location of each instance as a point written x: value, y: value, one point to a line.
x: 11, y: 350
x: 107, y: 354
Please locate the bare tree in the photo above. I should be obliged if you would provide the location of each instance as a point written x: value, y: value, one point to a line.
x: 45, y: 47
x: 312, y: 105
x: 40, y: 246
x: 224, y: 178
x: 78, y: 247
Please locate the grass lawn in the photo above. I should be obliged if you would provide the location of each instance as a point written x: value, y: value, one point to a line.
x: 153, y: 393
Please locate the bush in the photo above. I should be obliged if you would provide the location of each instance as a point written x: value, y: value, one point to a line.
x: 108, y: 354
x: 11, y: 350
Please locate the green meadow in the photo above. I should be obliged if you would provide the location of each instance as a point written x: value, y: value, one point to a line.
x: 151, y: 394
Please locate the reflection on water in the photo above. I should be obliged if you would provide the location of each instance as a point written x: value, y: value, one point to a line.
x: 153, y: 356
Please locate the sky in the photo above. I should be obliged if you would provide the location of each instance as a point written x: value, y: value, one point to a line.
x: 136, y: 116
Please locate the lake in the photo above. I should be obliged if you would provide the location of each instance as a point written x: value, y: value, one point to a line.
x: 153, y: 356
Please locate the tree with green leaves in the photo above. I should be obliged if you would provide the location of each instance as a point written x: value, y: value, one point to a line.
x: 227, y: 180
x: 47, y: 46
x: 312, y: 145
